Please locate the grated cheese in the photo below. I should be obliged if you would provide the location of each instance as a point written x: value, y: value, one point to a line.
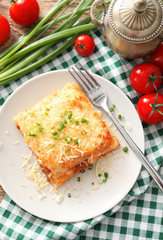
x: 42, y: 197
x: 59, y: 198
x: 96, y: 188
x: 35, y: 173
x: 16, y: 142
x: 87, y: 193
x: 40, y: 181
x: 23, y: 185
x: 87, y: 132
x: 27, y: 158
x: 116, y: 170
x: 30, y: 196
x: 69, y: 187
x: 59, y: 153
x: 128, y: 126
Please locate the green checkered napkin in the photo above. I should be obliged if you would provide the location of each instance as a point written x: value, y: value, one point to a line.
x: 15, y: 223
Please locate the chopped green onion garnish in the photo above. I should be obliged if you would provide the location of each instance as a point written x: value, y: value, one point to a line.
x: 92, y: 183
x: 111, y: 109
x: 125, y: 149
x: 69, y: 195
x: 65, y: 136
x: 104, y: 180
x: 68, y: 139
x: 106, y: 174
x: 100, y: 181
x: 83, y: 132
x: 70, y: 115
x: 55, y: 137
x: 83, y: 120
x: 53, y: 144
x: 62, y: 125
x: 32, y: 134
x: 99, y: 175
x: 120, y: 116
x: 65, y: 121
x: 78, y: 179
x: 76, y: 141
x: 72, y: 119
x: 77, y: 123
x: 82, y: 170
x: 54, y: 132
x: 90, y: 166
x: 41, y: 129
x: 64, y: 113
x: 38, y: 124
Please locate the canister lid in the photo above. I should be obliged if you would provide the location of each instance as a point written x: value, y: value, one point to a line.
x: 136, y: 20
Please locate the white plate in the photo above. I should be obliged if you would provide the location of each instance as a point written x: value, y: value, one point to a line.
x: 90, y: 203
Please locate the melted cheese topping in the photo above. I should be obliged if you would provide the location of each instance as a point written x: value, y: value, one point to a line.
x: 65, y: 133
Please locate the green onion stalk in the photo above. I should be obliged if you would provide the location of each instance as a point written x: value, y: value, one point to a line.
x: 32, y: 67
x: 31, y: 46
x: 53, y: 10
x: 42, y: 29
x: 17, y: 71
x: 17, y: 56
x: 53, y: 38
x: 39, y: 29
x: 17, y: 62
x: 67, y: 24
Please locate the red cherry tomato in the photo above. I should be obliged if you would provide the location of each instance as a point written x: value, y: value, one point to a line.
x: 157, y: 57
x: 141, y: 78
x: 150, y: 108
x: 24, y: 12
x: 4, y: 29
x: 84, y: 45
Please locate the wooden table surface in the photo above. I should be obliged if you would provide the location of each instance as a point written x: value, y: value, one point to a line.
x: 17, y: 31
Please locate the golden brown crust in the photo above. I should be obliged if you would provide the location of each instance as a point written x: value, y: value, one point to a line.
x: 67, y: 120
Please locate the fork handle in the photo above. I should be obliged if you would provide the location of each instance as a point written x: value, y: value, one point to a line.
x: 152, y: 171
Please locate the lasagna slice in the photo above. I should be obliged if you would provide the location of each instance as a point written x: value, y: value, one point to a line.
x: 65, y: 133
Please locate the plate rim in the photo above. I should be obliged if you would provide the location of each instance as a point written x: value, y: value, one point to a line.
x: 53, y: 72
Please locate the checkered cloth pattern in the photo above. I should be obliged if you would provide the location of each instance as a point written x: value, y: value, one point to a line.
x: 140, y: 214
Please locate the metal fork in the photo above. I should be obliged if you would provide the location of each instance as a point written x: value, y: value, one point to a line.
x: 98, y: 97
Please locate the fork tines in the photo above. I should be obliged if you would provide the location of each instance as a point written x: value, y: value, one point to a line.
x: 84, y: 79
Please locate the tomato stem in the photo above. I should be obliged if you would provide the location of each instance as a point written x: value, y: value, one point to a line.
x: 13, y: 1
x: 159, y: 105
x: 81, y: 46
x: 155, y: 106
x: 154, y: 77
x: 151, y: 79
